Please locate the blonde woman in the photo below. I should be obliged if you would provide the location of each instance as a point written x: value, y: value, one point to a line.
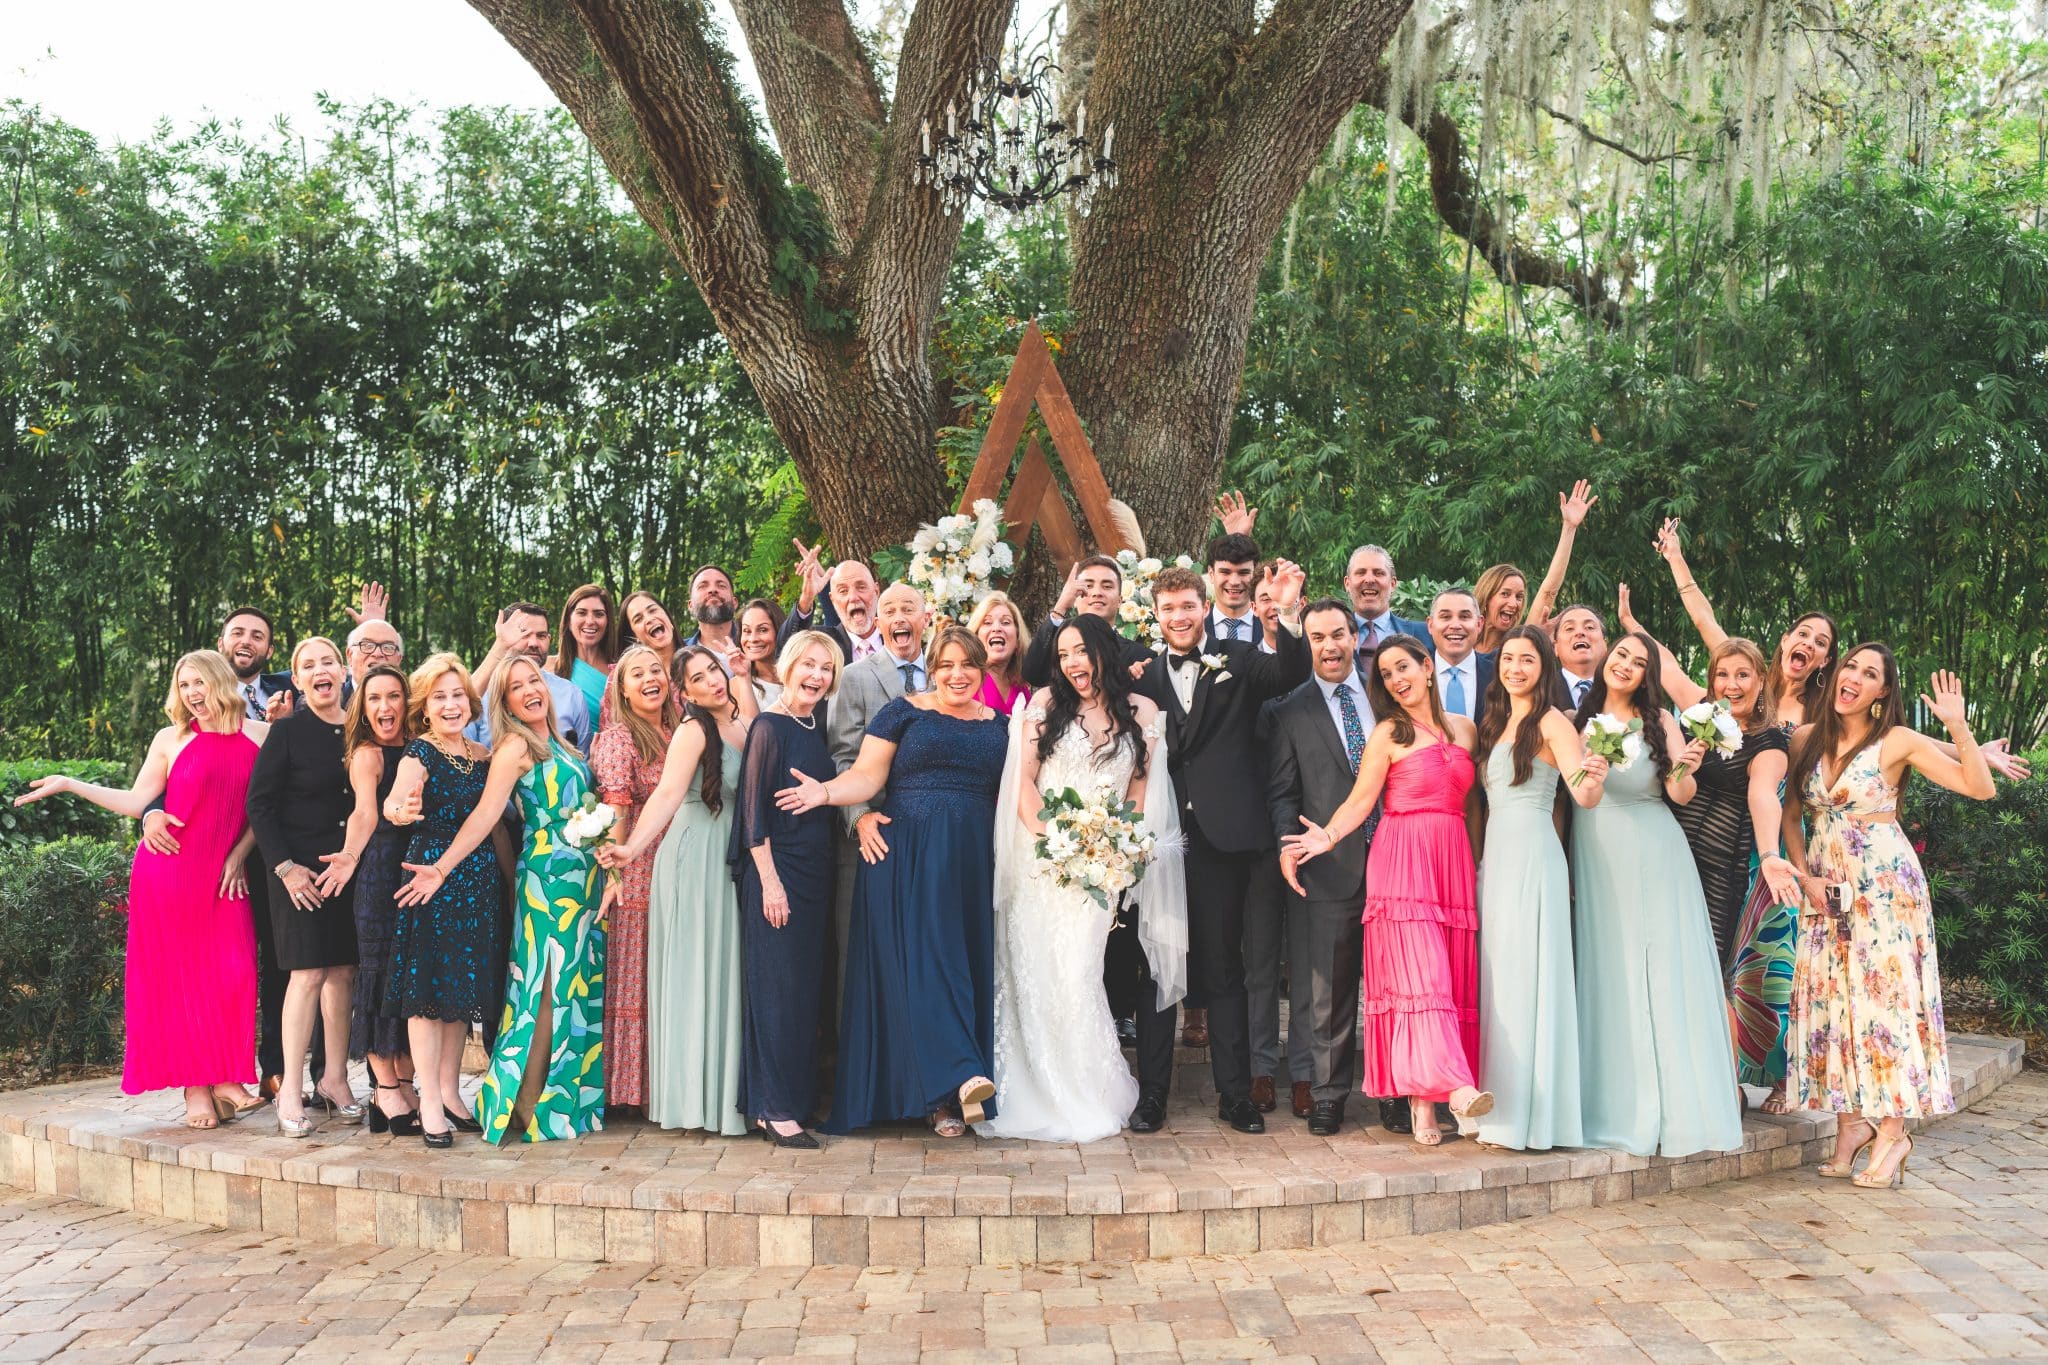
x: 996, y: 622
x: 299, y: 805
x: 190, y: 981
x: 546, y: 1076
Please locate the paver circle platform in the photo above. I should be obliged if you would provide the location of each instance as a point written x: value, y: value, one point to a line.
x: 894, y: 1197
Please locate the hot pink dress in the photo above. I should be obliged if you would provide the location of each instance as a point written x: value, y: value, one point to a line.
x: 1421, y: 983
x: 995, y: 699
x: 191, y: 972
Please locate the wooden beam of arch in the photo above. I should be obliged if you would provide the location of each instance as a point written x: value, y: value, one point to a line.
x: 1035, y: 498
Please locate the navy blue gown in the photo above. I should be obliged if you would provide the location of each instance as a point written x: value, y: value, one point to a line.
x: 782, y: 970
x: 918, y: 1016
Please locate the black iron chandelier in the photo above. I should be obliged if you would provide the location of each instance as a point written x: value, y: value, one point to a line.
x: 1012, y: 149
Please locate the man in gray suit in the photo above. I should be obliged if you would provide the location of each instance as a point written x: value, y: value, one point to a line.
x: 864, y: 689
x: 1318, y: 731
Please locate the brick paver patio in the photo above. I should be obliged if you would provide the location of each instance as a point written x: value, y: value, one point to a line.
x: 1780, y: 1266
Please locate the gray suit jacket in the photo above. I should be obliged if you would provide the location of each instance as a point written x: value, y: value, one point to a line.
x: 1308, y: 774
x: 864, y: 689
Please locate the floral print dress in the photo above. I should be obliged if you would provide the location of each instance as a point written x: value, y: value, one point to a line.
x: 625, y: 780
x: 558, y: 951
x: 1866, y: 992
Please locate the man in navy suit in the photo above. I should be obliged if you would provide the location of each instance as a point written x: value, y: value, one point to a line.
x: 1462, y: 676
x: 1369, y: 581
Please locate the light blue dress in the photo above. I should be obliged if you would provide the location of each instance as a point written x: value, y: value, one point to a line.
x: 1528, y: 1012
x: 1656, y: 1067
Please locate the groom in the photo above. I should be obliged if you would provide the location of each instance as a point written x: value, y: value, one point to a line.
x: 1211, y: 692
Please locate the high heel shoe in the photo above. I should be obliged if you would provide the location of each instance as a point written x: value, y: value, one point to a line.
x: 296, y: 1127
x: 227, y: 1111
x: 1844, y: 1167
x: 398, y: 1125
x: 974, y: 1093
x: 463, y: 1123
x: 800, y: 1139
x: 1869, y: 1179
x: 351, y: 1112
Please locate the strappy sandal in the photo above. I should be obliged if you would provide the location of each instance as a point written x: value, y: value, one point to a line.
x: 974, y: 1093
x: 1776, y: 1103
x: 1844, y: 1167
x: 1479, y: 1106
x: 1869, y: 1179
x: 948, y: 1125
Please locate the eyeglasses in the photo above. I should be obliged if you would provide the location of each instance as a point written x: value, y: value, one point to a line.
x: 381, y: 649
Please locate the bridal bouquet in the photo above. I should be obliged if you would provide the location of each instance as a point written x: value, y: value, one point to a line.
x: 956, y: 562
x: 1135, y: 619
x: 1608, y: 737
x: 1097, y: 845
x: 1712, y: 723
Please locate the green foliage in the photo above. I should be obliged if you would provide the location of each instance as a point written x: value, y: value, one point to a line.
x: 59, y: 817
x: 1987, y: 868
x: 62, y: 944
x: 261, y: 370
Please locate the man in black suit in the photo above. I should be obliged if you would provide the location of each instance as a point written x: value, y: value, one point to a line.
x: 1094, y: 587
x: 1462, y: 676
x: 1318, y: 732
x: 1212, y: 700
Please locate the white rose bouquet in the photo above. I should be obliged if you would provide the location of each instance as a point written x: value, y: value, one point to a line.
x: 1135, y: 619
x: 955, y: 563
x: 589, y: 823
x: 1713, y: 724
x: 1097, y: 845
x: 1621, y: 745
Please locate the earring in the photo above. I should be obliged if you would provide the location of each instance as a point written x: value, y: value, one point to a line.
x: 1876, y: 709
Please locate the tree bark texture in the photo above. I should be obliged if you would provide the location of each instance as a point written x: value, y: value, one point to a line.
x: 824, y: 267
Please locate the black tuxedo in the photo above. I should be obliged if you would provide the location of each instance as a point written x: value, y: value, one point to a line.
x: 1214, y: 755
x: 1043, y: 658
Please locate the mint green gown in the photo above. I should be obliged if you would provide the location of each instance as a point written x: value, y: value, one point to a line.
x: 1528, y: 1009
x: 557, y: 947
x: 1656, y: 1066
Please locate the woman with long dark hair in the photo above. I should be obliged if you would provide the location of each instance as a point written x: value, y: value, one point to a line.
x: 376, y: 736
x: 693, y: 924
x: 1421, y: 968
x: 589, y: 643
x: 1656, y: 1069
x: 1528, y: 1020
x: 1866, y: 989
x: 758, y: 628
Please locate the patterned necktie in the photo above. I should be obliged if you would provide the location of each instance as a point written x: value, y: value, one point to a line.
x: 1234, y: 626
x: 1579, y: 691
x: 1354, y: 731
x: 1454, y: 693
x: 909, y: 671
x: 255, y: 706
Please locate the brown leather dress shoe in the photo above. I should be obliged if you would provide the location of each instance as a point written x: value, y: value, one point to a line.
x: 1303, y: 1101
x: 1262, y: 1094
x: 1194, y: 1027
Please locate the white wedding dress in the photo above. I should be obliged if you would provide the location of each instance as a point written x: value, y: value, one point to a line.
x: 1060, y: 1073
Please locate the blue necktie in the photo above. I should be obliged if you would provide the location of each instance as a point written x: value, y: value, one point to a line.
x: 1579, y: 691
x: 910, y: 672
x: 1454, y: 693
x: 1233, y: 625
x: 1354, y: 731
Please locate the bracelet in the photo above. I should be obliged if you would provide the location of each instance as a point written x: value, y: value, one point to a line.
x: 1688, y: 586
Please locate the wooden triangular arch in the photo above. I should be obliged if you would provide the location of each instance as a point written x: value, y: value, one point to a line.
x: 1034, y: 498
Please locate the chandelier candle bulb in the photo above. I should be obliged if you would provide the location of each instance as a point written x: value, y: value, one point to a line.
x: 952, y: 129
x: 1081, y: 120
x: 1108, y: 140
x: 924, y: 131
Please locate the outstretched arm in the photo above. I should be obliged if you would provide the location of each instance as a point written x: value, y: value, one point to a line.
x: 1967, y: 774
x: 1690, y: 594
x: 1571, y: 511
x: 1678, y: 686
x: 149, y: 783
x: 856, y: 786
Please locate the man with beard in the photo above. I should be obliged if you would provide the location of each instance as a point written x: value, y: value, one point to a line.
x: 712, y: 604
x: 849, y: 615
x: 1581, y: 645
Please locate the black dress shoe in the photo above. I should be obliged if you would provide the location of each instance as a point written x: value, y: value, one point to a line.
x: 1394, y: 1116
x: 1242, y: 1115
x: 800, y: 1140
x: 1326, y: 1118
x: 462, y: 1123
x: 1150, y: 1115
x: 1127, y: 1032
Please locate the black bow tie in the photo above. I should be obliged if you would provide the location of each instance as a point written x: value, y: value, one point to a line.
x: 1179, y: 660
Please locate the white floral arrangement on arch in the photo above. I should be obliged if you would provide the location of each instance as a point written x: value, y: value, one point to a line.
x: 955, y: 561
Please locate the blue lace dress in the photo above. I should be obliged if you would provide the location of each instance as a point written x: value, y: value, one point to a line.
x: 918, y: 1016
x: 447, y: 953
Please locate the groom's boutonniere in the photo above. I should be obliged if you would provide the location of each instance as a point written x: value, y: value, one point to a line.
x: 1216, y: 666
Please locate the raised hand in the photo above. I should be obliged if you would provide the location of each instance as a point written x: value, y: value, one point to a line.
x: 50, y: 784
x: 426, y: 880
x: 156, y: 832
x: 2007, y: 764
x: 278, y: 707
x: 1629, y: 624
x: 808, y: 794
x: 507, y: 633
x: 1574, y: 506
x: 1287, y: 579
x: 810, y: 575
x: 1069, y: 590
x: 1666, y: 543
x: 372, y: 604
x: 1237, y: 518
x: 1947, y: 701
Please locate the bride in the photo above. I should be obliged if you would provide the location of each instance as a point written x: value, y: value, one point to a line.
x: 1060, y: 1074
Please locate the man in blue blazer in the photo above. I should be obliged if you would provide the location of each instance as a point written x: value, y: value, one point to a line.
x: 1370, y: 582
x: 1462, y: 675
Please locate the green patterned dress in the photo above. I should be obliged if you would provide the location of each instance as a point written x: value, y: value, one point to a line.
x: 557, y: 946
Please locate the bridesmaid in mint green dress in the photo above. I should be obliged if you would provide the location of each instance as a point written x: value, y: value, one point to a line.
x: 1528, y: 1012
x: 1656, y: 1066
x: 546, y: 1074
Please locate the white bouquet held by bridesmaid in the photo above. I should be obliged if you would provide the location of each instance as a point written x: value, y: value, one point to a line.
x: 955, y: 563
x: 1135, y: 619
x: 1621, y: 744
x: 1097, y: 845
x: 589, y: 823
x: 1713, y: 724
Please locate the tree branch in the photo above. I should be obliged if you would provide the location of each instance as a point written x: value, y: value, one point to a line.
x: 1640, y: 158
x: 823, y: 100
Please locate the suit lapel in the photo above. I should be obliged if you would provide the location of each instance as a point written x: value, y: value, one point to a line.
x: 1326, y: 726
x: 1204, y: 681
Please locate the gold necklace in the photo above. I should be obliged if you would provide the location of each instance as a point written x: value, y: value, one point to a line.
x: 462, y: 763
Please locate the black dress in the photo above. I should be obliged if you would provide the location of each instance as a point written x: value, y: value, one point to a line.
x: 1717, y: 826
x: 782, y: 970
x: 447, y: 954
x: 377, y: 879
x: 299, y: 804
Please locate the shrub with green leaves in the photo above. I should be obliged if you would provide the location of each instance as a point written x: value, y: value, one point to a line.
x: 63, y: 938
x: 1987, y: 867
x: 59, y: 817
